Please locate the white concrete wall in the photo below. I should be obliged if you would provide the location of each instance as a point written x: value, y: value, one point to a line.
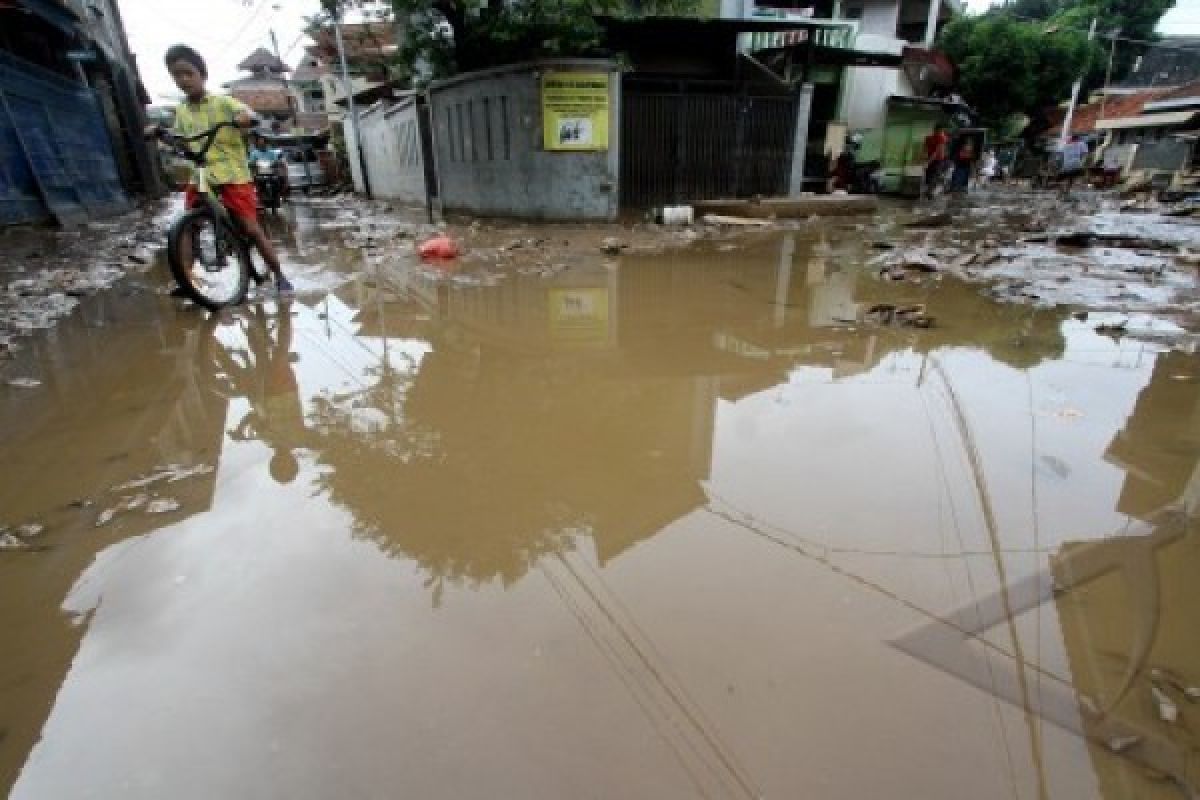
x: 867, y: 91
x: 392, y: 145
x: 864, y: 103
x: 488, y: 147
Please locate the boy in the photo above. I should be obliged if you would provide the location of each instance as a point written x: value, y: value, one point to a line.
x: 228, y: 163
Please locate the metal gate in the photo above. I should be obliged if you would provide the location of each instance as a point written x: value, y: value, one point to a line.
x: 56, y: 156
x: 694, y: 143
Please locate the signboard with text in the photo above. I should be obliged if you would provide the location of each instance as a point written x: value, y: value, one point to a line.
x: 575, y: 110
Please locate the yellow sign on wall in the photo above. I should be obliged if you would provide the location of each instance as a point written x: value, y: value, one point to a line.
x: 575, y: 110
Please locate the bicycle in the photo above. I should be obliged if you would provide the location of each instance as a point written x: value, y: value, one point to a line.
x: 221, y: 251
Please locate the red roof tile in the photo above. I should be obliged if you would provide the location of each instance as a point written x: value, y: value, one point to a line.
x: 1117, y: 106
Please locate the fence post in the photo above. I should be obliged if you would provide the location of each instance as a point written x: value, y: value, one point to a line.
x: 800, y: 140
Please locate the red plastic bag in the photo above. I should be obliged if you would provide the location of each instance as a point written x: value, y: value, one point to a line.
x: 439, y: 247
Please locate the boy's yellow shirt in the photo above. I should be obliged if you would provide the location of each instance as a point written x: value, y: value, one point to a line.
x: 227, y: 158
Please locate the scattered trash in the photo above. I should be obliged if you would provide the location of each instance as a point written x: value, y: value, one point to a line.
x: 612, y: 246
x: 931, y: 221
x: 1119, y: 744
x: 739, y: 222
x: 171, y: 473
x: 24, y: 383
x: 913, y: 316
x: 439, y: 247
x: 10, y: 541
x: 30, y: 530
x: 1082, y: 239
x: 1068, y: 413
x: 127, y: 504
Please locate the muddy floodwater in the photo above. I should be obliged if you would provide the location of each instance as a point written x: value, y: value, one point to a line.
x: 720, y: 522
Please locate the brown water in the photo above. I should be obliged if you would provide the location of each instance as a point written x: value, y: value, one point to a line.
x: 663, y: 528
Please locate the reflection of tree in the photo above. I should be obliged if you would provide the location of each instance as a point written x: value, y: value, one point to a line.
x: 500, y: 448
x: 497, y: 459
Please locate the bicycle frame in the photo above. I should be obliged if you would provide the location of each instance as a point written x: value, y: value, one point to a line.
x: 200, y: 178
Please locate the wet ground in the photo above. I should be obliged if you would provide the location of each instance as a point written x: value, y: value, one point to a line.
x: 744, y: 519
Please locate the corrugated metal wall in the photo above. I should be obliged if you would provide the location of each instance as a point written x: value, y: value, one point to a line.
x: 698, y: 142
x: 56, y: 156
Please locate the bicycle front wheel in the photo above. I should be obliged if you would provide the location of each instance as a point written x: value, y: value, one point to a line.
x: 208, y: 259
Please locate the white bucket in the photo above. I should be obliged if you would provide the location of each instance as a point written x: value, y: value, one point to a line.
x: 677, y: 215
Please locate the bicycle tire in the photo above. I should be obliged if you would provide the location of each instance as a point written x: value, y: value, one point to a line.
x: 186, y: 225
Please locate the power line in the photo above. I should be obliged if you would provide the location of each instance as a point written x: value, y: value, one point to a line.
x: 242, y: 30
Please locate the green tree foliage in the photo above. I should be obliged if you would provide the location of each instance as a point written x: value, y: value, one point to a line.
x: 1022, y: 57
x: 463, y: 35
x: 1008, y: 67
x: 442, y: 37
x: 1135, y: 19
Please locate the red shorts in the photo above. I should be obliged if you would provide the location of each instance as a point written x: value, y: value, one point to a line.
x: 239, y: 198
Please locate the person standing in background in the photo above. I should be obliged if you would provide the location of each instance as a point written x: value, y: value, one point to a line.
x: 936, y: 152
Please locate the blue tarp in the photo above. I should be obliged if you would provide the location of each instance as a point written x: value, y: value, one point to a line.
x: 55, y: 13
x: 56, y: 156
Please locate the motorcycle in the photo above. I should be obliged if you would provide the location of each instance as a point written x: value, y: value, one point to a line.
x: 268, y: 183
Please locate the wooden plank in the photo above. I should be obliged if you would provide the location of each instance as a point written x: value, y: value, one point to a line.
x: 824, y: 205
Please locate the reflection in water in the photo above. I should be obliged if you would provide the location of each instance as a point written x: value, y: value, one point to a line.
x: 261, y: 371
x: 664, y: 513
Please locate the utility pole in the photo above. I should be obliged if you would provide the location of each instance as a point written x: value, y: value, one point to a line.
x: 1066, y: 127
x: 935, y: 10
x: 348, y: 88
x: 1112, y: 54
x: 283, y: 77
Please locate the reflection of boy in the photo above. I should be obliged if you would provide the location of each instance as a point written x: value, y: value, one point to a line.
x: 277, y: 415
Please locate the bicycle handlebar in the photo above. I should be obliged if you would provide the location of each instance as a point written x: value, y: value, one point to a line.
x: 209, y: 136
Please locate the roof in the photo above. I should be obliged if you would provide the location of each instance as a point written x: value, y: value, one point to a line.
x: 362, y: 41
x: 1176, y: 61
x: 265, y: 100
x: 1114, y: 107
x: 1174, y: 104
x: 306, y: 71
x: 272, y: 83
x: 263, y: 59
x: 1149, y: 121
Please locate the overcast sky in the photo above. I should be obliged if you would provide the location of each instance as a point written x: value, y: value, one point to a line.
x: 226, y: 31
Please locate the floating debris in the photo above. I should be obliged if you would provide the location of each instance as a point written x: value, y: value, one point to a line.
x: 171, y: 473
x: 162, y: 505
x: 1167, y: 710
x: 1119, y: 744
x: 9, y: 541
x: 127, y: 504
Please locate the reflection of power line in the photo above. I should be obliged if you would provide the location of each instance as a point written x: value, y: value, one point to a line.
x: 646, y: 673
x: 975, y: 460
